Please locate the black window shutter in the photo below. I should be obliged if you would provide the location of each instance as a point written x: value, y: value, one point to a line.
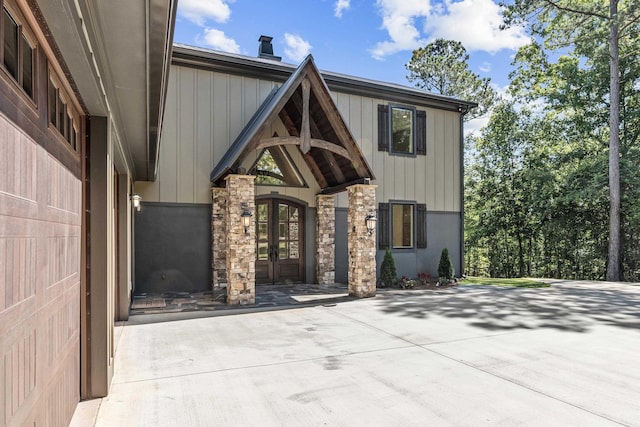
x: 383, y: 226
x: 383, y: 127
x: 421, y: 222
x: 421, y: 132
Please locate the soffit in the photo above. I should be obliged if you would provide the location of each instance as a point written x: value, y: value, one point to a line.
x: 130, y: 42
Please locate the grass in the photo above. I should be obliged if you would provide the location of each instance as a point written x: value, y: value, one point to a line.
x: 511, y: 283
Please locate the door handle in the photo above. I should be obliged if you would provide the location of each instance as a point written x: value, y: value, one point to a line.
x: 273, y: 253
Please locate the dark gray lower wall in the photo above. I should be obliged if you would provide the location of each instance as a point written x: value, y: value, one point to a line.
x: 310, y: 246
x: 342, y: 254
x: 443, y: 231
x: 172, y: 248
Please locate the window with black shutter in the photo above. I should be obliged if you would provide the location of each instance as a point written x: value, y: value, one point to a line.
x: 402, y: 130
x: 402, y: 225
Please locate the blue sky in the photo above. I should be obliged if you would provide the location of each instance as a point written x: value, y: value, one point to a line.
x: 364, y: 38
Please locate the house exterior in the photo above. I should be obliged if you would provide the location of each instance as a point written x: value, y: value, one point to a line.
x: 303, y: 138
x: 250, y: 171
x: 82, y: 87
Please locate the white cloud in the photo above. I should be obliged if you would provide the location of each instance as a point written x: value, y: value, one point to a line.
x: 216, y: 39
x: 485, y: 67
x: 398, y: 18
x: 199, y: 11
x: 296, y: 48
x: 475, y: 23
x: 474, y: 126
x: 341, y: 5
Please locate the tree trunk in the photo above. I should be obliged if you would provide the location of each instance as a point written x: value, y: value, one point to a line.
x: 613, y: 264
x: 520, y: 256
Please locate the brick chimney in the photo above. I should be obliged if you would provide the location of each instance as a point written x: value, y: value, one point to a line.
x: 266, y: 49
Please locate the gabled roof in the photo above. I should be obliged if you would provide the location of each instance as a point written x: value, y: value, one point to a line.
x: 305, y: 107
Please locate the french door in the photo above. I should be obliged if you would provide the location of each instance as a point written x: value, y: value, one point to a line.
x: 280, y: 241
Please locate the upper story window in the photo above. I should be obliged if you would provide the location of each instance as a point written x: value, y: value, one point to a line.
x: 62, y: 115
x: 402, y: 134
x: 17, y: 52
x: 402, y: 130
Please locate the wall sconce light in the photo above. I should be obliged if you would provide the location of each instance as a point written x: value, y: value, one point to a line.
x: 370, y: 221
x: 137, y: 202
x: 245, y: 216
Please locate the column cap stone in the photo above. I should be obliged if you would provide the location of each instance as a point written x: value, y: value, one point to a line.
x: 363, y: 185
x: 238, y: 176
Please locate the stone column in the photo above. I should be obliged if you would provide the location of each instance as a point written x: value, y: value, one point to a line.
x: 325, y: 239
x: 241, y: 246
x: 361, y: 244
x: 219, y: 237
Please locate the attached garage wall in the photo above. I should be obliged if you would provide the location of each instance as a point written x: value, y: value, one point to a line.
x: 172, y: 248
x: 40, y: 243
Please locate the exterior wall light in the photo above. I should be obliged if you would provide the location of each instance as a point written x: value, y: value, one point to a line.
x: 137, y: 202
x: 371, y: 221
x: 246, y: 217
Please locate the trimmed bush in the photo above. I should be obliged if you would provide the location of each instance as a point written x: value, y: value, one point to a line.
x: 445, y: 267
x: 388, y: 270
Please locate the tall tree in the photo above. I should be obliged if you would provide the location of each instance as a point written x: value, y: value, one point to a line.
x: 584, y: 27
x: 442, y: 67
x: 534, y: 197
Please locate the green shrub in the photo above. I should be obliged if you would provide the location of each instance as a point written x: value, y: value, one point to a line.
x: 388, y: 270
x: 445, y: 267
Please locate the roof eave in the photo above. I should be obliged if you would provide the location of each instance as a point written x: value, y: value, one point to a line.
x: 278, y: 71
x: 160, y: 51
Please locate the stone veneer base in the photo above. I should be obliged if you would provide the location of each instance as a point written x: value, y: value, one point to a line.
x: 361, y: 243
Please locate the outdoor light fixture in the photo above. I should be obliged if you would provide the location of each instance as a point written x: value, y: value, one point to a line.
x: 246, y: 217
x: 371, y: 221
x: 137, y: 202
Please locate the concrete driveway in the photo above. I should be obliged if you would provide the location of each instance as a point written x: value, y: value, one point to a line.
x: 474, y: 355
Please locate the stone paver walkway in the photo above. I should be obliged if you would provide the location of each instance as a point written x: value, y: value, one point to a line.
x: 266, y: 296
